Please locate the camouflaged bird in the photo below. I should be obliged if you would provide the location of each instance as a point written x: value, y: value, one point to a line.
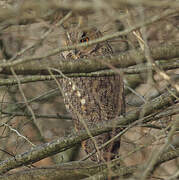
x: 93, y: 99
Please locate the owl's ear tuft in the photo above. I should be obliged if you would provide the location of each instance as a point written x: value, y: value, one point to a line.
x: 83, y: 34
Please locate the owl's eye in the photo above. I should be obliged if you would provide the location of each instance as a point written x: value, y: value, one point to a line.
x: 85, y: 39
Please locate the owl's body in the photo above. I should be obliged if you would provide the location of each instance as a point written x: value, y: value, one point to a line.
x: 93, y: 99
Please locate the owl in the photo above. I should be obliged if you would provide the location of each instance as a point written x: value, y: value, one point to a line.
x: 91, y: 100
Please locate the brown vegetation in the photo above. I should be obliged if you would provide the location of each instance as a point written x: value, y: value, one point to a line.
x: 37, y: 136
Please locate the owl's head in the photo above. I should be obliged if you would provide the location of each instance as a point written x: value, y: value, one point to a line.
x: 78, y: 33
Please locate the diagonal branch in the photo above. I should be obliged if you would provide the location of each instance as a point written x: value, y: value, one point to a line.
x: 36, y: 65
x: 81, y: 170
x: 62, y: 144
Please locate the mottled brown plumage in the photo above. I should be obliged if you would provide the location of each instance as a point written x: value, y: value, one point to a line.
x: 93, y: 99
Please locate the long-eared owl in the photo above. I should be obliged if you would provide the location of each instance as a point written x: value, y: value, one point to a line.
x: 93, y: 99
